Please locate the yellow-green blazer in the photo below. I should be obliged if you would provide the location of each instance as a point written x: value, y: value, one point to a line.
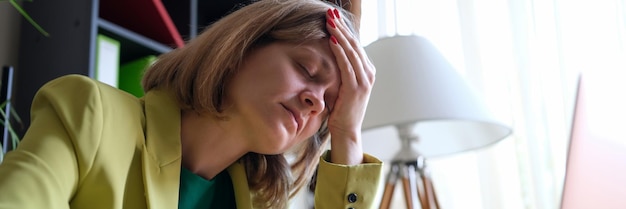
x: 93, y: 146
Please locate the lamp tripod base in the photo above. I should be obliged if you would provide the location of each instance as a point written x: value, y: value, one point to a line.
x: 416, y: 183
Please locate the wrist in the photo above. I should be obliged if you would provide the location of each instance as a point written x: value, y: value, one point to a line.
x: 346, y: 150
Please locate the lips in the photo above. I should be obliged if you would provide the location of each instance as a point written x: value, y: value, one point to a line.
x: 296, y: 117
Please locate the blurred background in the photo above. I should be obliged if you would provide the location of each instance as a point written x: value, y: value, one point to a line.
x: 523, y: 57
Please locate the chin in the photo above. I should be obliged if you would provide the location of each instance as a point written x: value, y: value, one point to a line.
x: 275, y: 140
x: 271, y: 144
x: 276, y: 149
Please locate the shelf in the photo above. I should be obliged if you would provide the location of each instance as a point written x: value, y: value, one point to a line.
x: 143, y: 27
x: 133, y: 45
x: 147, y: 17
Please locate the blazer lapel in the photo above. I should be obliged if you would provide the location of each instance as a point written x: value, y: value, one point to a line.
x: 240, y: 186
x: 161, y: 155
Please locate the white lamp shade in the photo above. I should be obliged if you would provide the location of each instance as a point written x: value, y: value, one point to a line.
x: 416, y: 84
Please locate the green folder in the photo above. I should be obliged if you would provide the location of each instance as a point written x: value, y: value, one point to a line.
x: 131, y: 74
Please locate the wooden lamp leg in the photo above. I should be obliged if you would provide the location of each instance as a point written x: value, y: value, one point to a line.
x: 429, y: 189
x: 409, y: 180
x: 390, y: 185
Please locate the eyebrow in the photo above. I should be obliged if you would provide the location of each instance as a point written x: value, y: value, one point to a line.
x: 326, y: 64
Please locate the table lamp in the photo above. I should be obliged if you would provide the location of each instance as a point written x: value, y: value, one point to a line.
x: 421, y: 94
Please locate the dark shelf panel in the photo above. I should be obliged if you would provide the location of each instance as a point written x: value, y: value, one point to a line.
x: 133, y: 45
x: 149, y: 18
x: 182, y: 16
x: 211, y: 11
x: 191, y: 17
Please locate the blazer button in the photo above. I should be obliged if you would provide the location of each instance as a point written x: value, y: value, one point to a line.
x: 352, y: 198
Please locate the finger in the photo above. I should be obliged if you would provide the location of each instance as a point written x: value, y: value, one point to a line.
x: 369, y: 68
x: 352, y: 48
x: 343, y: 61
x: 343, y: 41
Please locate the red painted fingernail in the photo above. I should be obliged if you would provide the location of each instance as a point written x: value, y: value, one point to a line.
x: 333, y: 39
x: 331, y: 23
x: 336, y: 13
x: 330, y: 14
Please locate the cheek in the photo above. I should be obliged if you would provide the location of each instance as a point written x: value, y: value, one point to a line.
x: 313, y: 127
x: 331, y: 98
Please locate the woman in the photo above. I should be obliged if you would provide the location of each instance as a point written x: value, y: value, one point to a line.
x: 216, y: 126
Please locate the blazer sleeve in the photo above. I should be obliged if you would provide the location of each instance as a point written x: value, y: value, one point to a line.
x: 43, y: 171
x: 342, y: 186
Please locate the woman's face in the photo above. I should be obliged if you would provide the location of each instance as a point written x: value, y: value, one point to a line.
x: 282, y: 93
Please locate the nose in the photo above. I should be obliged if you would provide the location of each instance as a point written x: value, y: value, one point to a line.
x: 313, y: 101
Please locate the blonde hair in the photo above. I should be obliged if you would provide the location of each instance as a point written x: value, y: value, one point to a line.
x: 197, y: 75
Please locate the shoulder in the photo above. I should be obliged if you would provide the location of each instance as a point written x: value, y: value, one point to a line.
x: 88, y: 110
x: 91, y: 119
x: 80, y: 91
x: 67, y: 93
x: 78, y: 99
x: 76, y: 86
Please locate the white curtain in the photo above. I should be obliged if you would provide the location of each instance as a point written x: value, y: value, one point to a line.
x: 524, y: 56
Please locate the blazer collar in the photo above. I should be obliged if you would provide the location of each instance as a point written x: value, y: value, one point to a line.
x: 240, y: 185
x: 161, y: 155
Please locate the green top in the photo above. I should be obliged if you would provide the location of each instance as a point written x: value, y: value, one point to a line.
x: 199, y: 193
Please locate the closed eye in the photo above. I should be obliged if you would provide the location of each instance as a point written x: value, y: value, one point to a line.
x: 306, y: 71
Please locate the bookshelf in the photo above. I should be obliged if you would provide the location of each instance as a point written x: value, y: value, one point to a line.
x: 143, y: 28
